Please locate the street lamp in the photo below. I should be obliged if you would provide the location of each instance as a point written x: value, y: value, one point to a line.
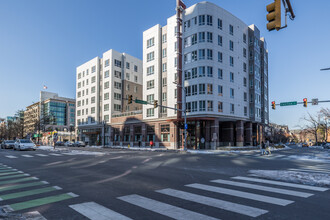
x: 184, y: 110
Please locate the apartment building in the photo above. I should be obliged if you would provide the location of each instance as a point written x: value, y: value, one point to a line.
x: 102, y: 88
x: 224, y: 73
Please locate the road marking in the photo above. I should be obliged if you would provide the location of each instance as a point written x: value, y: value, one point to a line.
x: 35, y: 215
x: 163, y: 208
x: 69, y: 154
x: 246, y: 195
x: 10, y: 173
x: 42, y: 155
x: 95, y: 211
x: 56, y: 154
x: 37, y: 202
x: 27, y: 193
x: 26, y: 155
x: 18, y: 180
x: 315, y: 188
x: 13, y: 176
x: 264, y: 188
x: 20, y: 186
x: 217, y: 203
x: 10, y: 156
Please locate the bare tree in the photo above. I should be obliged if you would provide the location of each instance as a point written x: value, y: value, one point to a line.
x: 313, y: 125
x: 325, y: 117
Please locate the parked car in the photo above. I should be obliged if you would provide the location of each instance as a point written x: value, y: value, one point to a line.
x: 79, y: 144
x: 24, y: 144
x: 69, y: 144
x: 59, y: 143
x: 304, y: 145
x: 326, y: 146
x: 8, y: 144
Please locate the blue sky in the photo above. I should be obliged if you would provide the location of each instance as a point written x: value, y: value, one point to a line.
x: 42, y: 42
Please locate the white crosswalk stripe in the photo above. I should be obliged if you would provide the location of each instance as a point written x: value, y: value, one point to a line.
x: 11, y: 157
x: 56, y: 154
x: 264, y: 188
x: 310, y: 171
x: 300, y: 186
x: 95, y: 211
x: 217, y: 203
x: 42, y: 155
x: 163, y: 208
x: 26, y: 155
x: 246, y: 195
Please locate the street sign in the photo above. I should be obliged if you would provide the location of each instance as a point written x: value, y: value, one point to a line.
x: 315, y: 101
x: 186, y: 126
x: 288, y: 103
x: 141, y: 101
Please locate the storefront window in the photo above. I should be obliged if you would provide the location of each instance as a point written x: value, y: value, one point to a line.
x: 165, y: 133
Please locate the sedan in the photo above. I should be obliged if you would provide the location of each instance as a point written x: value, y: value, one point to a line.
x: 8, y: 144
x: 79, y: 144
x: 24, y: 144
x: 326, y: 146
x: 69, y: 144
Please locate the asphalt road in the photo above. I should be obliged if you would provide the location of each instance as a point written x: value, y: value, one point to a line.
x: 125, y: 184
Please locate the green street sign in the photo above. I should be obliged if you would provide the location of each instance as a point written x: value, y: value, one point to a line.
x: 141, y: 101
x: 288, y: 103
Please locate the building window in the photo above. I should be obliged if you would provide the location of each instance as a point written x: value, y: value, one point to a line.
x: 164, y: 96
x: 244, y: 38
x: 79, y: 85
x: 201, y: 71
x: 245, y: 96
x: 209, y: 54
x: 150, y: 42
x: 165, y: 133
x: 79, y: 103
x: 106, y: 63
x: 79, y: 75
x: 232, y: 93
x: 128, y: 76
x: 106, y: 118
x: 135, y: 68
x: 164, y: 81
x: 175, y: 93
x: 117, y: 85
x: 194, y: 73
x: 194, y: 90
x: 117, y: 96
x: 118, y: 74
x: 244, y: 67
x: 219, y: 40
x: 201, y: 20
x: 164, y: 67
x: 210, y: 106
x: 127, y: 87
x: 220, y: 90
x: 117, y: 63
x: 231, y: 29
x: 127, y: 65
x: 231, y: 45
x: 93, y: 89
x: 150, y: 84
x: 93, y: 100
x: 244, y: 52
x: 164, y: 38
x: 231, y: 61
x: 78, y: 113
x: 210, y: 89
x: 201, y: 106
x: 93, y: 110
x: 201, y: 89
x: 106, y: 74
x: 106, y: 96
x: 188, y: 91
x: 245, y: 111
x: 93, y: 79
x: 201, y: 54
x: 210, y: 71
x: 150, y: 98
x: 135, y: 89
x: 209, y: 37
x: 106, y: 107
x: 209, y: 20
x: 232, y: 108
x: 220, y: 107
x: 93, y: 69
x: 220, y: 57
x: 135, y: 79
x: 176, y: 60
x: 201, y: 37
x: 117, y: 107
x: 150, y: 112
x: 231, y: 77
x: 150, y: 56
x: 220, y: 71
x: 150, y: 70
x: 193, y: 39
x: 220, y: 24
x: 187, y: 74
x: 244, y: 81
x: 164, y: 53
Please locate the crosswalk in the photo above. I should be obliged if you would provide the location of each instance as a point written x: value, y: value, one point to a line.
x: 316, y: 169
x: 234, y: 196
x: 17, y: 156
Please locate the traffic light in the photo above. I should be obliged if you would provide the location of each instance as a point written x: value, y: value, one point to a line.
x: 130, y: 97
x: 155, y: 103
x: 305, y: 102
x: 273, y: 105
x: 274, y: 15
